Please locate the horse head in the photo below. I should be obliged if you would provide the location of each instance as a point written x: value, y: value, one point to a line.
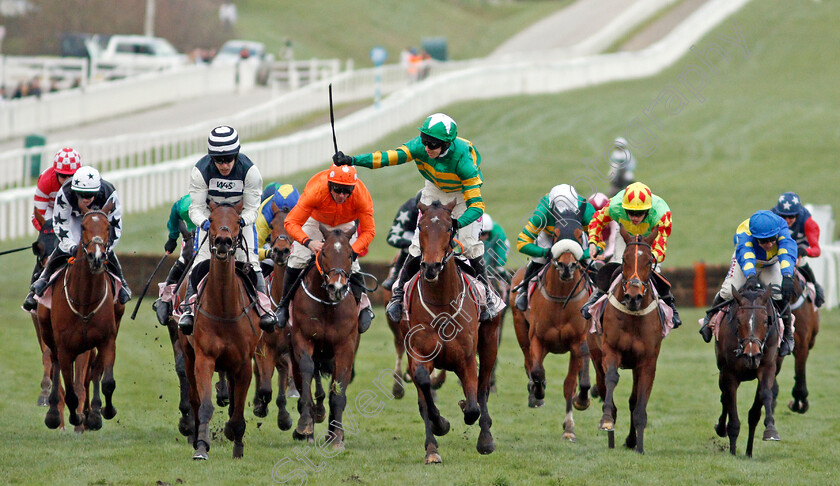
x: 566, y: 249
x: 752, y: 319
x: 436, y: 234
x: 96, y: 236
x: 281, y: 244
x: 637, y: 265
x: 225, y: 232
x: 334, y: 260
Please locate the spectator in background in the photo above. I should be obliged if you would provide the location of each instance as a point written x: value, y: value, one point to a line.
x: 288, y: 53
x: 622, y: 166
x: 35, y: 87
x: 227, y: 15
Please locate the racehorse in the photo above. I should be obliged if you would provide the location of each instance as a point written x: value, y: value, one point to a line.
x: 84, y: 316
x: 630, y: 337
x: 553, y: 322
x: 43, y: 248
x: 746, y: 349
x: 442, y: 330
x: 273, y: 349
x: 807, y: 326
x: 325, y: 334
x: 225, y: 334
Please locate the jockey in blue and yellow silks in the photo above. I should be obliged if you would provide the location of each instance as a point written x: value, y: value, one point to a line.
x: 282, y: 200
x: 765, y: 254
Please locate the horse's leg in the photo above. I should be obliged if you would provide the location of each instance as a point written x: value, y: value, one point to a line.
x: 54, y: 417
x: 581, y: 399
x: 754, y: 416
x: 569, y: 385
x: 240, y: 381
x: 596, y: 356
x: 767, y: 379
x: 398, y: 389
x: 204, y: 369
x: 647, y: 372
x: 109, y: 353
x: 190, y: 421
x: 729, y: 401
x: 319, y: 411
x: 610, y: 364
x: 488, y: 348
x: 469, y: 382
x: 186, y: 425
x: 438, y: 379
x: 305, y: 429
x: 520, y: 328
x: 71, y: 399
x: 344, y: 357
x: 536, y: 375
x: 423, y: 382
x: 222, y: 391
x: 264, y: 360
x: 46, y: 361
x: 94, y: 418
x: 799, y: 403
x: 630, y: 442
x: 284, y: 420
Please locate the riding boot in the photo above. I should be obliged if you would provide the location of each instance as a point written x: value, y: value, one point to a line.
x: 486, y: 311
x: 185, y: 324
x: 808, y: 273
x: 164, y: 309
x: 388, y: 283
x: 669, y: 299
x: 357, y: 286
x: 705, y: 329
x: 787, y: 344
x: 395, y: 305
x: 522, y: 289
x: 290, y: 282
x: 29, y: 303
x: 592, y: 299
x: 125, y: 292
x: 267, y: 317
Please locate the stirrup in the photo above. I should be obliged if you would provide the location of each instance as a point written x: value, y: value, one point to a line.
x: 706, y: 332
x: 394, y: 310
x: 282, y: 317
x: 162, y: 310
x: 365, y: 318
x: 39, y: 286
x: 521, y: 302
x: 186, y: 323
x: 30, y: 304
x: 268, y: 321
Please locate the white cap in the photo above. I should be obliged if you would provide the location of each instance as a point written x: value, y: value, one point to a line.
x: 486, y: 223
x: 86, y: 179
x: 563, y: 197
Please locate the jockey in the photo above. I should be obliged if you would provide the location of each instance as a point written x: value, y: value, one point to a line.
x: 65, y: 163
x: 638, y: 211
x: 496, y: 246
x: 283, y: 199
x: 622, y: 166
x: 451, y: 167
x: 806, y: 233
x: 88, y: 187
x: 336, y: 198
x: 400, y: 235
x: 225, y: 175
x: 765, y: 254
x: 179, y: 224
x: 536, y: 237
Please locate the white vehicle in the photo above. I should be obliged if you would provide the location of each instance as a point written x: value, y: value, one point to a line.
x: 130, y: 54
x: 237, y: 50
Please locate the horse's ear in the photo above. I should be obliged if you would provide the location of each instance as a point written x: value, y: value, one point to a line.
x: 735, y: 294
x: 422, y: 207
x: 274, y: 208
x: 350, y: 232
x: 323, y: 229
x: 39, y: 218
x: 109, y: 206
x: 212, y: 206
x: 238, y: 206
x: 83, y: 208
x: 625, y: 235
x: 450, y: 205
x: 652, y: 236
x: 765, y: 296
x: 578, y: 234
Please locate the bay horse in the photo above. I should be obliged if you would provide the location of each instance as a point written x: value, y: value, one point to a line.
x: 442, y: 330
x: 629, y: 338
x: 84, y: 316
x: 553, y: 322
x: 225, y: 334
x: 807, y: 326
x: 274, y: 349
x: 325, y: 334
x: 746, y: 349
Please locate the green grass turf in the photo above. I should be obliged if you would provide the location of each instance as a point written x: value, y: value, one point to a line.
x: 346, y: 29
x: 768, y: 124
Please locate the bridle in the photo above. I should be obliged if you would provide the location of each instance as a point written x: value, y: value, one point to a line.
x: 325, y: 278
x: 96, y: 240
x: 227, y: 254
x: 739, y: 351
x: 635, y: 279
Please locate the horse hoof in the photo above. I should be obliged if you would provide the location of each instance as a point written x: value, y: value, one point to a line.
x: 238, y: 450
x: 485, y: 443
x: 630, y: 443
x: 337, y: 446
x: 398, y: 390
x: 570, y: 436
x: 797, y: 406
x: 109, y: 412
x: 79, y: 429
x: 579, y: 404
x: 470, y: 414
x: 441, y: 427
x: 185, y: 426
x: 534, y: 403
x: 222, y: 401
x: 284, y: 421
x: 433, y: 458
x: 75, y: 419
x: 720, y: 429
x: 594, y: 393
x: 44, y: 400
x: 770, y: 434
x: 229, y: 435
x: 607, y: 425
x: 53, y: 419
x: 298, y: 435
x: 260, y: 410
x: 201, y: 456
x: 93, y: 421
x: 320, y: 414
x: 293, y: 393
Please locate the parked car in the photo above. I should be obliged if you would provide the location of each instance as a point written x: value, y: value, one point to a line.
x: 129, y: 54
x: 239, y: 50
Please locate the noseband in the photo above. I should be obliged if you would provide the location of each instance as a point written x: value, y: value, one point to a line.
x: 236, y: 244
x: 326, y: 276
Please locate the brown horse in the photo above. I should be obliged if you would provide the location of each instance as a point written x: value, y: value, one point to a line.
x: 225, y: 334
x: 553, y: 322
x: 746, y: 349
x: 84, y: 317
x: 273, y: 349
x: 630, y: 338
x: 442, y: 331
x: 325, y: 334
x: 807, y: 326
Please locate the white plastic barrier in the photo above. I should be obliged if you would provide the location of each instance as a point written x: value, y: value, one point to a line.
x: 827, y: 266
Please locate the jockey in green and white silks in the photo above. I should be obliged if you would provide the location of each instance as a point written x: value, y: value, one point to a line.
x: 451, y: 167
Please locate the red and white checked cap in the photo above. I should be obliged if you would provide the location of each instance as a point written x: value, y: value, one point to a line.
x: 67, y: 161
